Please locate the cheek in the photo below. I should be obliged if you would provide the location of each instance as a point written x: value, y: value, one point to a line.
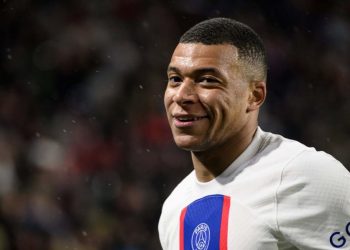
x: 217, y: 103
x: 210, y: 97
x: 167, y: 99
x: 227, y: 111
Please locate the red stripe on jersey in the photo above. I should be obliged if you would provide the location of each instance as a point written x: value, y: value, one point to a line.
x: 224, y: 223
x: 182, y: 220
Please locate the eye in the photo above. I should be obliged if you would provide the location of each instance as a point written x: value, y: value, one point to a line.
x: 208, y: 80
x: 174, y: 80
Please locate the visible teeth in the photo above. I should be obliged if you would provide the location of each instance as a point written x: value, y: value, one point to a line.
x: 184, y: 119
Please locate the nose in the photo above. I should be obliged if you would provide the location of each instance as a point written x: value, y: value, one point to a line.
x: 186, y: 93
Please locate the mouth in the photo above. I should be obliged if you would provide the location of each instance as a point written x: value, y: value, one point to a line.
x: 187, y: 120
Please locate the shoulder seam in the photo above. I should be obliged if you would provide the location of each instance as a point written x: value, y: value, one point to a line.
x: 279, y: 185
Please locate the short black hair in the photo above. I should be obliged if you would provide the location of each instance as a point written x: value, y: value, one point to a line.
x: 251, y: 50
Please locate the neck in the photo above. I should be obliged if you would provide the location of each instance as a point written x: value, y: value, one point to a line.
x: 211, y: 163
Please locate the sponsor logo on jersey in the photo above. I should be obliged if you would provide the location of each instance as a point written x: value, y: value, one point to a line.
x: 340, y: 239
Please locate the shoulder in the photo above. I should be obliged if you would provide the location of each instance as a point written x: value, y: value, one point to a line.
x: 293, y: 156
x: 174, y: 202
x: 306, y: 177
x: 277, y: 148
x: 314, y: 182
x: 170, y: 214
x: 312, y: 198
x: 315, y: 172
x: 317, y: 168
x: 179, y: 191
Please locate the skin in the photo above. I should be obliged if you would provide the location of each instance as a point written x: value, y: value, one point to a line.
x: 211, y: 107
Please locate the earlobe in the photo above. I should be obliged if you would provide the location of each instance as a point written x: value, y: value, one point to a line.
x: 257, y: 95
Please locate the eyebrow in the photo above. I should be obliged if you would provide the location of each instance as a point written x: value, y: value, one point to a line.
x: 203, y: 70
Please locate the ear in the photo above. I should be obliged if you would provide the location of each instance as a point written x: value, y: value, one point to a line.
x: 257, y: 95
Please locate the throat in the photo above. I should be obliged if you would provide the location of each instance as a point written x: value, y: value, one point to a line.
x: 210, y: 163
x: 206, y: 168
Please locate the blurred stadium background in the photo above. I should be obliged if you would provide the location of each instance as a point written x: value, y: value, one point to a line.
x: 86, y: 156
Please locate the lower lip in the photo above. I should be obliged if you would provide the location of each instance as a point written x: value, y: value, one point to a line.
x: 184, y: 124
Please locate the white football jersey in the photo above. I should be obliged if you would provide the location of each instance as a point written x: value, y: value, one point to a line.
x: 278, y: 194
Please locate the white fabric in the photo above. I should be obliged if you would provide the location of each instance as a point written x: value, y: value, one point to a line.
x: 284, y: 195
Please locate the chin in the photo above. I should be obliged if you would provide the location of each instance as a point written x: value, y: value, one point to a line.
x: 185, y: 143
x: 190, y: 148
x: 189, y: 145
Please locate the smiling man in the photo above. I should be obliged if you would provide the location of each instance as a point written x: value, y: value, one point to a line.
x: 249, y: 189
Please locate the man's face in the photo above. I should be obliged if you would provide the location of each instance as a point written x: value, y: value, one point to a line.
x: 206, y: 98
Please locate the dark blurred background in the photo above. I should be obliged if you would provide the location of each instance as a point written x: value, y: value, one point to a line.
x: 86, y: 156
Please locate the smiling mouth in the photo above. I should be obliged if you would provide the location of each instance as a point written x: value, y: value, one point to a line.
x: 190, y: 119
x: 187, y: 121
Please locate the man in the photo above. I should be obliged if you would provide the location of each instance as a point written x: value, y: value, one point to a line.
x: 249, y: 189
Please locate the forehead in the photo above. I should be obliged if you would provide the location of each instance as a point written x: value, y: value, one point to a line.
x: 200, y: 55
